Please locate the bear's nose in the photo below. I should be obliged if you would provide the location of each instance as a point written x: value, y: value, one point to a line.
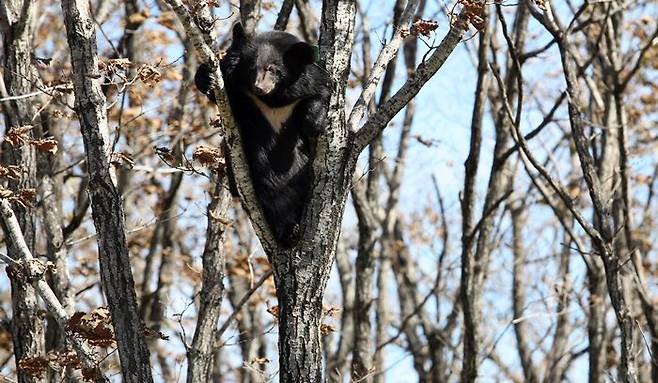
x: 264, y: 83
x: 259, y: 91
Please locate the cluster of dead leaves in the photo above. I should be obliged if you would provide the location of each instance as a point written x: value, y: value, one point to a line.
x: 54, y: 359
x: 329, y: 312
x: 211, y: 157
x: 22, y: 197
x: 147, y: 73
x: 94, y: 327
x: 474, y: 10
x: 122, y: 160
x: 115, y: 65
x: 420, y: 27
x: 12, y: 172
x: 18, y: 136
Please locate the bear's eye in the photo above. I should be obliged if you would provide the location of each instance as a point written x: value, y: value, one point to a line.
x: 272, y: 69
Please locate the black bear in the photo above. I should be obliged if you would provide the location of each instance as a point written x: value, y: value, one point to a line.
x: 279, y: 96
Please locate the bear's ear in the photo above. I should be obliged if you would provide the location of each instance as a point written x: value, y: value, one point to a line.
x: 239, y: 34
x: 302, y: 53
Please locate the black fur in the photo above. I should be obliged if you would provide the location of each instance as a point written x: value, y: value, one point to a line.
x: 278, y: 70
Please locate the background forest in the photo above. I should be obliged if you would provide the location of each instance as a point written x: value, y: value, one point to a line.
x: 500, y: 225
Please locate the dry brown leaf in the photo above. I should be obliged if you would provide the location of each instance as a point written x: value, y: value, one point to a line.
x: 34, y: 366
x: 18, y: 135
x: 122, y: 159
x: 149, y: 75
x: 23, y: 197
x: 12, y: 172
x: 326, y: 329
x: 331, y: 311
x: 151, y: 333
x: 209, y: 156
x: 45, y: 144
x: 90, y: 374
x: 5, y: 193
x: 137, y: 17
x: 260, y: 360
x: 114, y: 65
x: 274, y: 310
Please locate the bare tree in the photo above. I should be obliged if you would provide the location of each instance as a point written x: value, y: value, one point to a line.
x: 534, y: 262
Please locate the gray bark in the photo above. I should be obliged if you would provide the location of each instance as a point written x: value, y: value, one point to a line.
x: 249, y: 14
x: 308, y: 23
x: 468, y: 210
x: 557, y: 360
x: 50, y: 187
x: 241, y: 287
x: 337, y: 362
x: 201, y: 352
x: 107, y: 210
x: 17, y: 19
x: 362, y: 355
x: 284, y: 14
x: 519, y: 220
x: 474, y: 267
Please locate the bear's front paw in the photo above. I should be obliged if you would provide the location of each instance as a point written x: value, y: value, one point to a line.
x: 204, y: 80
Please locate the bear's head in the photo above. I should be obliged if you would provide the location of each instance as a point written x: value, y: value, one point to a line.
x: 267, y: 63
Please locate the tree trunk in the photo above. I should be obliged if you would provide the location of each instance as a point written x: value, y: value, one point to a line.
x: 337, y: 365
x: 201, y: 352
x: 107, y: 210
x: 300, y: 302
x: 362, y: 354
x: 27, y: 328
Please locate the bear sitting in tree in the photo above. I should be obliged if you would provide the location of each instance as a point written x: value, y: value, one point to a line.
x: 279, y: 97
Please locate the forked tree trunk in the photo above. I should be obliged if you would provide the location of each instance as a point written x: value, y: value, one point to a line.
x: 301, y: 276
x: 301, y: 273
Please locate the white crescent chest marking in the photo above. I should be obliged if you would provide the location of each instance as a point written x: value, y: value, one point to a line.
x: 275, y: 116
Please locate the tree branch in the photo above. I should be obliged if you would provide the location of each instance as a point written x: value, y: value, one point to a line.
x: 377, y: 122
x: 283, y: 16
x: 387, y: 54
x: 34, y: 270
